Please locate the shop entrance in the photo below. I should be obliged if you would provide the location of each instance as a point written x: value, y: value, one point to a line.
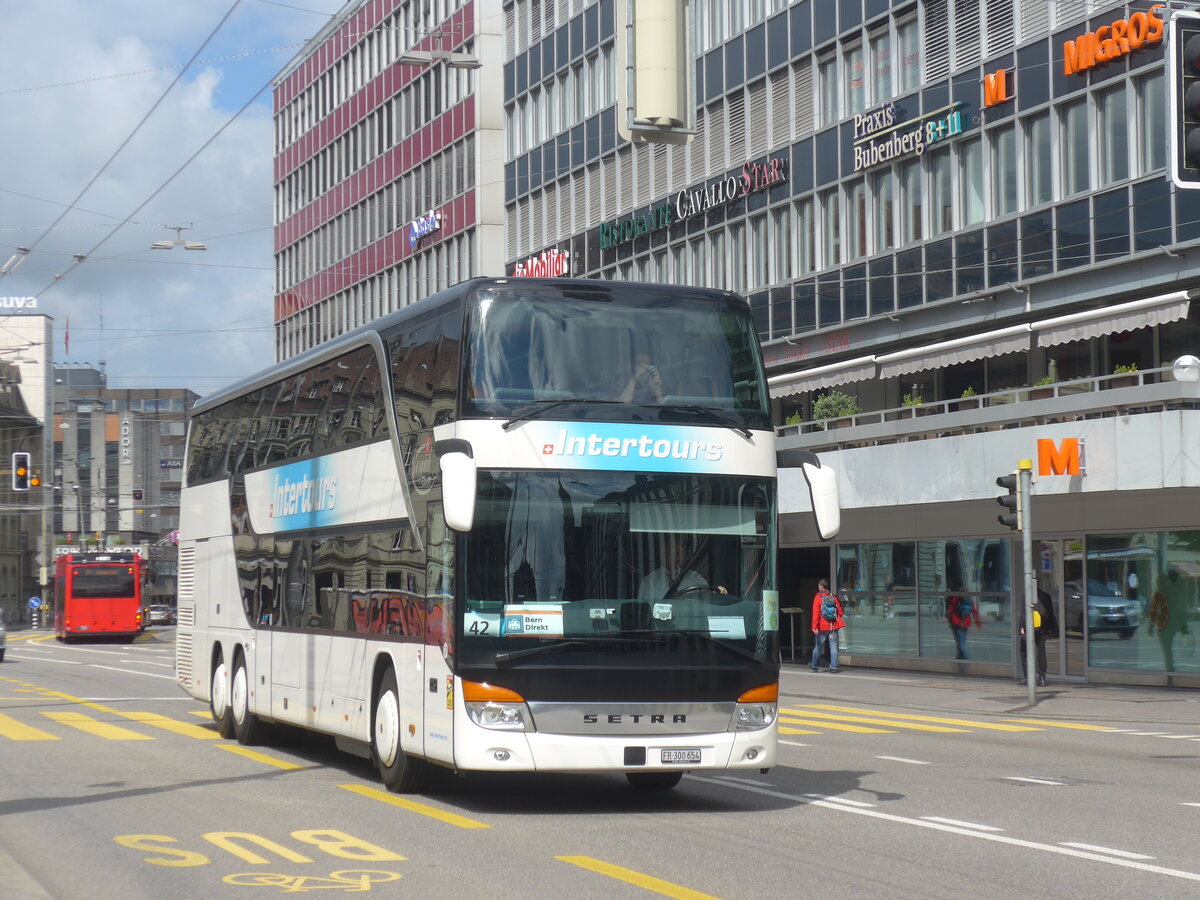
x: 1058, y: 564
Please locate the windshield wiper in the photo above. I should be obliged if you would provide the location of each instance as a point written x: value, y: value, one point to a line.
x: 714, y: 415
x: 541, y: 407
x: 513, y: 655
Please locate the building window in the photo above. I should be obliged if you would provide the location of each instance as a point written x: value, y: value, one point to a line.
x: 1114, y: 135
x: 1074, y: 150
x: 719, y: 274
x: 884, y: 209
x: 856, y: 220
x: 913, y: 198
x: 971, y: 154
x: 856, y: 94
x: 737, y: 253
x: 807, y: 238
x: 756, y: 253
x: 880, y: 49
x: 907, y: 39
x: 1004, y: 171
x: 1038, y: 168
x: 1152, y: 123
x: 831, y: 231
x: 827, y: 90
x: 941, y: 198
x: 781, y: 244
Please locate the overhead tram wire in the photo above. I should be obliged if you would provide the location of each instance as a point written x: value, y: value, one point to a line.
x: 129, y: 138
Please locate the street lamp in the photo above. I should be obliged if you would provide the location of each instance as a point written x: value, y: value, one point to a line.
x: 452, y: 58
x: 178, y: 242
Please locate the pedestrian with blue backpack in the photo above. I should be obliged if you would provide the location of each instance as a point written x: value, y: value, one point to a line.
x: 827, y: 621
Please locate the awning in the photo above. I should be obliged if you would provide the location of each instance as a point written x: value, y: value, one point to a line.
x: 959, y: 350
x: 1109, y: 319
x: 815, y: 379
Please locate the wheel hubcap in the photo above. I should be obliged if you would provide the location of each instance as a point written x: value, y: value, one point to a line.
x: 387, y: 728
x: 220, y: 690
x: 239, y: 694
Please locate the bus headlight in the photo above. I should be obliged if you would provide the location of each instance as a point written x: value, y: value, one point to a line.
x: 499, y: 716
x: 495, y: 707
x: 757, y: 708
x: 752, y: 716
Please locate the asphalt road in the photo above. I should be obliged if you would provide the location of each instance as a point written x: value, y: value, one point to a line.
x: 115, y: 784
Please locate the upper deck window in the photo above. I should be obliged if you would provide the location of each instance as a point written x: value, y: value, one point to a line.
x: 530, y: 344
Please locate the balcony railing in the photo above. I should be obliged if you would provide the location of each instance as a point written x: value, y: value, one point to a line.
x: 1151, y: 390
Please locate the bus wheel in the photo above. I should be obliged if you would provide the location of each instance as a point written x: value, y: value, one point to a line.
x: 246, y: 725
x: 399, y: 772
x: 653, y: 781
x: 218, y: 704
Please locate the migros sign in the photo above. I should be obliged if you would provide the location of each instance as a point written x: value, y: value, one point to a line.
x: 1111, y: 42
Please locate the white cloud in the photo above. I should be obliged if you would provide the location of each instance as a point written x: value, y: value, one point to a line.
x: 156, y: 318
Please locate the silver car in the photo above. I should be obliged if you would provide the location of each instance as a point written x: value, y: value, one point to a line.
x: 1106, y: 609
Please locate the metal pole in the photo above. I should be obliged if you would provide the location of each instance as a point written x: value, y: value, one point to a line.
x: 1025, y: 472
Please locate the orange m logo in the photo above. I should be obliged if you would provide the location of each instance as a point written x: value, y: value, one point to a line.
x: 995, y: 88
x: 1056, y: 460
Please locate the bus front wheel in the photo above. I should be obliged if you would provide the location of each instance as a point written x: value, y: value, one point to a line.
x: 653, y: 781
x: 247, y: 727
x: 400, y: 772
x: 218, y: 703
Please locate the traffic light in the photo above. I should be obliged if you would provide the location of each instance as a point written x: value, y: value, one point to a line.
x: 21, y: 478
x: 1010, y: 501
x: 1183, y: 85
x: 137, y: 495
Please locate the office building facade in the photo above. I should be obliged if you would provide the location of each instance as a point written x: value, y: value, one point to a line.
x: 942, y: 210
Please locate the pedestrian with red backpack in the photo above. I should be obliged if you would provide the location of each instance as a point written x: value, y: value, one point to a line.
x: 827, y: 621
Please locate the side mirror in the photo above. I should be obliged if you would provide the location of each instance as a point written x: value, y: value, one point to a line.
x: 458, y: 483
x: 822, y: 489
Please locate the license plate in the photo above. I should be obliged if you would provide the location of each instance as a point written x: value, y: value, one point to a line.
x: 83, y: 628
x: 684, y: 755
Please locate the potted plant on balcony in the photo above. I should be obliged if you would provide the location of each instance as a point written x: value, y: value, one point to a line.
x: 835, y: 405
x: 1130, y: 373
x: 1039, y: 391
x: 913, y: 401
x: 794, y: 419
x: 967, y: 400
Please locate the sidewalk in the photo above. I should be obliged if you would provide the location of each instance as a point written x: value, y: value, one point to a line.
x: 1065, y: 701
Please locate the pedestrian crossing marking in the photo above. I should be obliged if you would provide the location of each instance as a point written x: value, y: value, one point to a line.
x: 971, y: 723
x: 836, y: 726
x: 868, y: 720
x: 105, y: 730
x: 260, y: 757
x: 18, y: 731
x: 187, y: 729
x: 1076, y: 725
x: 202, y: 713
x: 785, y: 730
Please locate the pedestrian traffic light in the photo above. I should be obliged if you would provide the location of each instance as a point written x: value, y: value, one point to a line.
x: 1183, y: 102
x: 1010, y: 501
x: 20, y: 471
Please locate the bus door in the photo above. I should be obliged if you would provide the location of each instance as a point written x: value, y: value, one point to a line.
x: 439, y: 642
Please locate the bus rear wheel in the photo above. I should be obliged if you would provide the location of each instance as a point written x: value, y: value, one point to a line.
x: 653, y: 781
x: 247, y: 727
x: 400, y: 772
x: 218, y: 703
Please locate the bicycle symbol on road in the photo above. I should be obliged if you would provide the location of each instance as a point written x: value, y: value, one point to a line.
x: 350, y: 881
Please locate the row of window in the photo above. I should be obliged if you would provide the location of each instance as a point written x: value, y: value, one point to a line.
x: 423, y: 187
x: 447, y: 262
x: 410, y: 23
x: 422, y: 101
x: 576, y: 93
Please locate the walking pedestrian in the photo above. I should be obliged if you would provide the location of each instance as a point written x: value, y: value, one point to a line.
x: 827, y: 620
x: 961, y: 612
x: 1045, y: 626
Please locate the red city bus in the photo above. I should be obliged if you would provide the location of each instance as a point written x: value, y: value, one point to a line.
x: 99, y: 594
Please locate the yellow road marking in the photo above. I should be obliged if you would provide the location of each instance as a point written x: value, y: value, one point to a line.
x: 916, y: 726
x: 202, y: 713
x: 412, y: 806
x: 785, y: 730
x: 657, y: 885
x: 944, y: 721
x: 1051, y: 724
x: 187, y: 729
x: 105, y: 730
x: 259, y: 757
x: 836, y: 726
x: 17, y: 731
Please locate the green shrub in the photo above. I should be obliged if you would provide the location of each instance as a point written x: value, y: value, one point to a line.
x: 834, y: 405
x: 1045, y: 379
x: 969, y: 392
x: 912, y: 399
x: 1125, y: 370
x: 794, y: 419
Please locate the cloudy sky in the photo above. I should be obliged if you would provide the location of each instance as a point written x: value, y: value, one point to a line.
x: 102, y: 142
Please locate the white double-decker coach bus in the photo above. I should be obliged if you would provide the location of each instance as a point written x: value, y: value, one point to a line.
x: 522, y: 525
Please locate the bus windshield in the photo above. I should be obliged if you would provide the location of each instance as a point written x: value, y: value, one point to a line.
x: 610, y: 560
x: 103, y: 581
x: 675, y: 355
